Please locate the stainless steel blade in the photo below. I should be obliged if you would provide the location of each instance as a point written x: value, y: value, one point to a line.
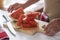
x: 11, y: 29
x: 41, y: 23
x: 10, y: 26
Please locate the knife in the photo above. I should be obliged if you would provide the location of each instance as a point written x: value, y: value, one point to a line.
x: 10, y: 26
x: 42, y: 24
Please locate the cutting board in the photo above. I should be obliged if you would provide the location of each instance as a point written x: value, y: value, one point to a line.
x: 30, y: 31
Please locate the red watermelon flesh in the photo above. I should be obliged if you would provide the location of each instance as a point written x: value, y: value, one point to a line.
x: 17, y: 13
x: 27, y: 23
x: 20, y: 20
x: 33, y: 14
x: 33, y: 23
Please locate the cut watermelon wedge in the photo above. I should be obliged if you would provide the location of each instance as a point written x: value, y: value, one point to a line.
x: 16, y: 14
x: 28, y: 22
x: 33, y: 14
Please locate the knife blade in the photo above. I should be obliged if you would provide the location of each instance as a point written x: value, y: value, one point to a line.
x: 41, y: 23
x: 10, y: 26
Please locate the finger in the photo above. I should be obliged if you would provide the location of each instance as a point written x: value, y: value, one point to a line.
x: 52, y: 32
x: 49, y: 26
x: 48, y: 29
x: 10, y: 9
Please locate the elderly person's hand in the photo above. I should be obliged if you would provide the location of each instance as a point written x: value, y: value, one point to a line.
x: 14, y: 7
x: 53, y: 27
x: 18, y: 5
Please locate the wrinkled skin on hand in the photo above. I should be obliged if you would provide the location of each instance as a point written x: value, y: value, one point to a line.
x: 18, y: 5
x: 14, y: 7
x: 53, y: 27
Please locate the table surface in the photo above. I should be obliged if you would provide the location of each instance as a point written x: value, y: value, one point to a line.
x: 22, y: 36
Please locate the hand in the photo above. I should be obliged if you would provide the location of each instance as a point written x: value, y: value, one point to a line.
x: 14, y: 7
x: 53, y: 27
x: 17, y: 5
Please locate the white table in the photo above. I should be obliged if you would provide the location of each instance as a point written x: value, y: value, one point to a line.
x: 22, y: 36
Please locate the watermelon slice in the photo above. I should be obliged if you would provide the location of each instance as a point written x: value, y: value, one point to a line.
x: 16, y: 14
x: 33, y: 14
x: 20, y: 20
x: 28, y: 22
